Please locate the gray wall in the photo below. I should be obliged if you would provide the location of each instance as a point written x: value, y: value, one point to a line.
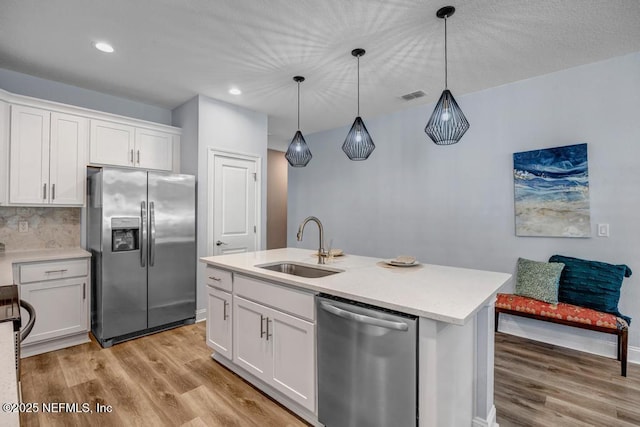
x: 186, y: 117
x: 208, y: 123
x: 36, y: 87
x: 454, y: 205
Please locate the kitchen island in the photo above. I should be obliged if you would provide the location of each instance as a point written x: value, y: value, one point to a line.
x: 455, y: 338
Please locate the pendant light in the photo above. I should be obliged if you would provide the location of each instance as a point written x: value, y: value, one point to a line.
x: 447, y: 123
x: 298, y: 153
x: 358, y: 145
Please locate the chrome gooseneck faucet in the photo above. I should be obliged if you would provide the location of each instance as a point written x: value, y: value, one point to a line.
x: 321, y: 252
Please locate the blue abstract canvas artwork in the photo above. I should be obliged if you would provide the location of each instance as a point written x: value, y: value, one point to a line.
x: 552, y: 192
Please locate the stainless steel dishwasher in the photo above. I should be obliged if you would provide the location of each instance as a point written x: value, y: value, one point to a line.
x: 367, y: 365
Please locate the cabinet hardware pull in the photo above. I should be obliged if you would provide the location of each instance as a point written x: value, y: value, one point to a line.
x: 224, y: 311
x: 138, y: 156
x: 44, y: 191
x: 53, y: 191
x: 84, y: 291
x: 56, y: 271
x: 268, y: 334
x: 132, y: 155
x: 262, y: 326
x: 217, y: 279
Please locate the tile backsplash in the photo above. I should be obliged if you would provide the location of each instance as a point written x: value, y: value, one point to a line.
x: 46, y: 228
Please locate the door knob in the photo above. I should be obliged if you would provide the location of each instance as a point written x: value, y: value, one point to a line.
x: 220, y: 243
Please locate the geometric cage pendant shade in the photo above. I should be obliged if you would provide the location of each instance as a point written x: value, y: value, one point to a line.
x: 298, y: 153
x: 447, y: 123
x: 358, y: 145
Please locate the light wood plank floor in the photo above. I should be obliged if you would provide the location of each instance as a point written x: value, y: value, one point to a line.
x: 169, y: 379
x: 165, y: 379
x: 538, y: 384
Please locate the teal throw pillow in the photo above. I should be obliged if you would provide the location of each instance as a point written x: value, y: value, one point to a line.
x: 538, y: 280
x: 591, y: 284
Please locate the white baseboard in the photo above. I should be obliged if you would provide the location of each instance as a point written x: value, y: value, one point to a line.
x: 564, y: 336
x: 201, y: 315
x: 28, y: 350
x: 489, y: 422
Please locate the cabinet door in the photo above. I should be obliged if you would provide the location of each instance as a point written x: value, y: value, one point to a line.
x: 29, y: 155
x: 111, y: 143
x: 251, y: 350
x: 154, y: 150
x: 61, y: 308
x: 293, y: 369
x: 69, y: 135
x: 219, y: 315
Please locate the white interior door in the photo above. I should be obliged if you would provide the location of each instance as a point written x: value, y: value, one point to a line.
x: 234, y: 203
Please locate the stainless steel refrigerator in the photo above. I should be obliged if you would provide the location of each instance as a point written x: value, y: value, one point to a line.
x: 141, y: 228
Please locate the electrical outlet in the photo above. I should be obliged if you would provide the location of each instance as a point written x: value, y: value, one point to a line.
x: 603, y: 230
x: 23, y: 227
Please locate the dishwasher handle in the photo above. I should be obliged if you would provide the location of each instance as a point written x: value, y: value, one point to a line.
x: 361, y: 318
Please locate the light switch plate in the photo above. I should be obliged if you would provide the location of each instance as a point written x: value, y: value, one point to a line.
x: 603, y: 230
x: 23, y: 227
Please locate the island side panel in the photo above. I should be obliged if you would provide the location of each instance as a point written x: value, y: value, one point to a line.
x: 484, y: 409
x: 446, y: 366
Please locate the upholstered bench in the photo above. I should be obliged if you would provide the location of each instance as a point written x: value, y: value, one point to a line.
x: 567, y: 314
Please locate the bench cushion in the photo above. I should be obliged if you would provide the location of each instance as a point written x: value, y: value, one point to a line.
x: 591, y: 284
x: 562, y: 311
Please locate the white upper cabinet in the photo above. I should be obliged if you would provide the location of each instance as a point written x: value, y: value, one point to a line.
x: 29, y: 155
x: 154, y: 150
x: 67, y: 159
x: 111, y: 143
x: 123, y: 145
x: 47, y: 157
x: 45, y: 148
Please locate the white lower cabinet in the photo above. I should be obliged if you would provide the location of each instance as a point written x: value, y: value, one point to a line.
x: 265, y: 329
x: 219, y: 322
x: 59, y: 293
x: 277, y: 348
x: 60, y: 306
x: 251, y: 348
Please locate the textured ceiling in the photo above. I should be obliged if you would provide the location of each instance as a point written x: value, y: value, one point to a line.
x: 167, y: 51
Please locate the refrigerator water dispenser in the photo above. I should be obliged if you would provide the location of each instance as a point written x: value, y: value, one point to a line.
x: 125, y: 234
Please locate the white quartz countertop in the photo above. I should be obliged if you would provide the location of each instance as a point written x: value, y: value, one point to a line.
x: 446, y: 294
x: 7, y: 259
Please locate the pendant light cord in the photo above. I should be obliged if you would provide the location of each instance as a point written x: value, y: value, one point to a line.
x: 298, y: 105
x: 446, y: 84
x: 358, y: 85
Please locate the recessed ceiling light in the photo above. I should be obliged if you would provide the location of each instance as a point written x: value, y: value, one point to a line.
x: 235, y: 91
x: 103, y: 47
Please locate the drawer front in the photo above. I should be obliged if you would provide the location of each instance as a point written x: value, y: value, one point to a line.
x: 218, y: 278
x: 297, y: 302
x: 42, y: 271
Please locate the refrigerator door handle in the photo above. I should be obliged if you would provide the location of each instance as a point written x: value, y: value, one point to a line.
x: 361, y: 318
x: 152, y: 235
x: 143, y: 240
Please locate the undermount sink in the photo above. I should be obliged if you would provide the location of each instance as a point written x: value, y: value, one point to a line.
x: 299, y: 269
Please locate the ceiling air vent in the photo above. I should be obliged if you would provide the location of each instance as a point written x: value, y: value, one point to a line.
x: 413, y: 95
